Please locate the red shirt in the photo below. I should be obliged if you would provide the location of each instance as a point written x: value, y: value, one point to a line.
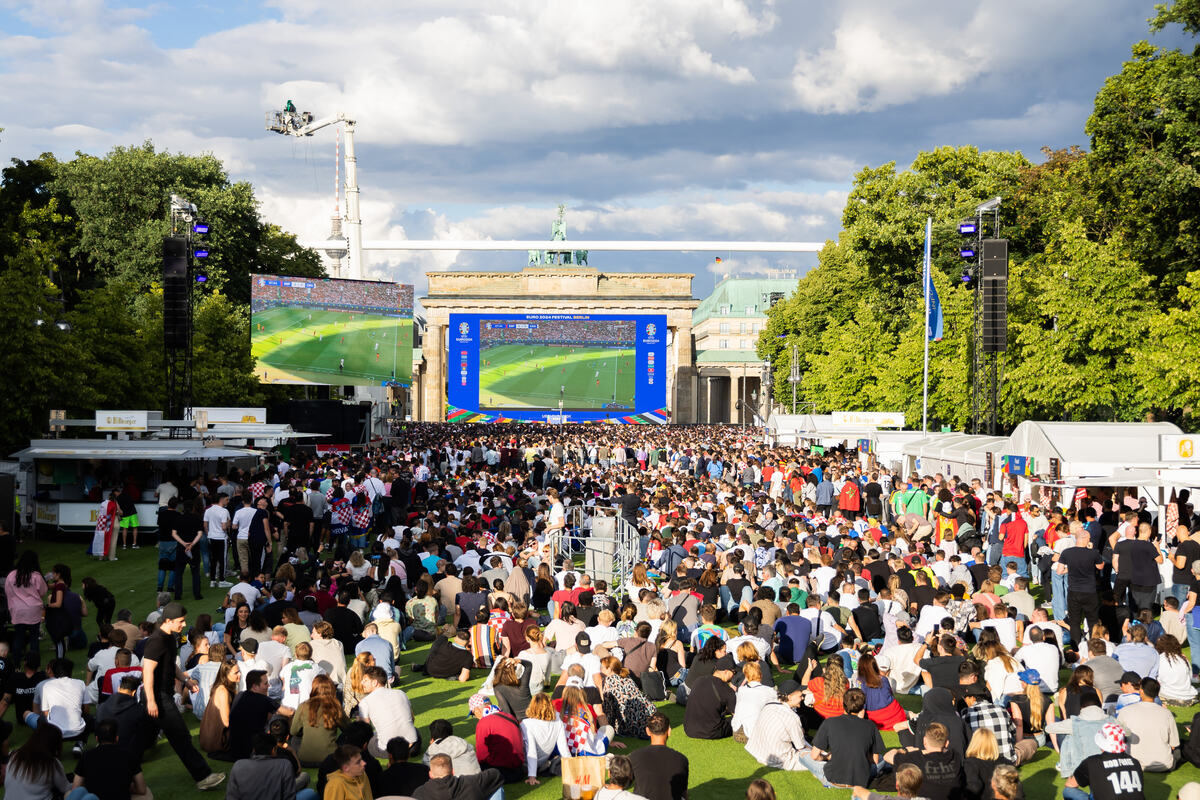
x: 1014, y: 532
x: 498, y: 741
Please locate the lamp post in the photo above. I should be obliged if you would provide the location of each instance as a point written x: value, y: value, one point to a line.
x: 561, y: 391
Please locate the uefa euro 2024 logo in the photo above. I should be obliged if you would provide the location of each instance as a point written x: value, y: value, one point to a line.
x: 463, y: 329
x: 651, y: 329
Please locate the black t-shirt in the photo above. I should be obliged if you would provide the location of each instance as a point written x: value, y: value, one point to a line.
x: 347, y: 626
x: 162, y: 649
x: 880, y: 572
x: 921, y: 595
x: 868, y: 621
x: 590, y: 693
x: 1081, y: 568
x: 168, y: 520
x: 943, y: 670
x: 447, y: 661
x: 709, y: 708
x: 979, y: 573
x: 1111, y: 776
x: 298, y: 517
x: 659, y: 773
x: 943, y: 772
x: 850, y: 741
x: 630, y: 507
x: 735, y: 587
x: 249, y: 715
x: 1136, y: 560
x: 1191, y: 551
x: 21, y: 686
x: 402, y: 779
x: 107, y: 771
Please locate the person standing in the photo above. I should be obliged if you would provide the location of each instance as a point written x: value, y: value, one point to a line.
x: 127, y: 504
x: 1081, y: 564
x: 216, y: 520
x: 24, y: 589
x: 188, y: 535
x: 1135, y: 563
x: 160, y: 670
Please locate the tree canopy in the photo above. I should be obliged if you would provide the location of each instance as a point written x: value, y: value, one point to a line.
x: 81, y: 245
x: 1104, y: 284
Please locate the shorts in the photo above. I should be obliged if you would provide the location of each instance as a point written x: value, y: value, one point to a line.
x: 129, y: 522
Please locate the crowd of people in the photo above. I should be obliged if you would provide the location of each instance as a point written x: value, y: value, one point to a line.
x: 270, y: 291
x: 793, y: 604
x: 583, y: 333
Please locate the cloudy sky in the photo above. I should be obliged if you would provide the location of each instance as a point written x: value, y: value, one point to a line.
x: 669, y: 119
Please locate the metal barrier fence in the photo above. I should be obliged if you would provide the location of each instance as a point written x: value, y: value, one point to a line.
x: 605, y: 545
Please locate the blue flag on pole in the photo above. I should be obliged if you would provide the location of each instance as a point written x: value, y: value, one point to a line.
x: 933, y: 306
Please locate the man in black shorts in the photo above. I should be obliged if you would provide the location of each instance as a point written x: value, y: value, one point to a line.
x: 160, y: 670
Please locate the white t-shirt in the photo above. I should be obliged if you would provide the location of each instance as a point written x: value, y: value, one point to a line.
x: 297, y: 678
x: 390, y: 713
x: 897, y: 662
x: 1006, y: 629
x: 62, y: 699
x: 247, y: 592
x: 242, y: 520
x: 275, y: 655
x: 930, y: 620
x: 165, y: 491
x: 1045, y: 658
x: 215, y: 520
x: 557, y: 516
x: 590, y: 663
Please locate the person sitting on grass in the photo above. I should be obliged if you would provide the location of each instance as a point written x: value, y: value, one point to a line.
x: 402, y: 776
x: 847, y: 749
x: 908, y: 785
x: 941, y: 767
x: 350, y: 781
x: 444, y: 784
x: 264, y: 775
x: 620, y: 778
x: 108, y: 771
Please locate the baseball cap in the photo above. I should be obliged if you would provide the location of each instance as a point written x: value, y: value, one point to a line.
x: 1030, y: 676
x: 1111, y: 738
x: 575, y: 681
x: 478, y: 701
x: 1129, y: 676
x: 583, y: 642
x: 173, y: 611
x: 249, y: 644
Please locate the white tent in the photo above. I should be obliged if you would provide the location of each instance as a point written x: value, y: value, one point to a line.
x: 959, y: 454
x: 1085, y: 449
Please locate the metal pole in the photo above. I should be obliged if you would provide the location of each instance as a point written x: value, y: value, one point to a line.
x: 353, y: 219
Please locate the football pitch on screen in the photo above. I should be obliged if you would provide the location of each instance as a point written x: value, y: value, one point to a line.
x: 530, y: 376
x: 295, y: 344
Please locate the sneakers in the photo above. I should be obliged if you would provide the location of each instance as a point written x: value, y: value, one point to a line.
x: 112, y: 558
x: 211, y: 782
x: 212, y: 584
x: 77, y: 750
x: 224, y: 584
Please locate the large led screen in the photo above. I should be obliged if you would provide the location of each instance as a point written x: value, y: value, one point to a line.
x: 342, y: 332
x: 520, y: 366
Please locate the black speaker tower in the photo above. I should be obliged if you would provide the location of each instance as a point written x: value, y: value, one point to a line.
x: 986, y: 271
x: 177, y: 324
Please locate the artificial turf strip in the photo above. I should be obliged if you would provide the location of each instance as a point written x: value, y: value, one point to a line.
x: 720, y: 770
x: 532, y: 376
x: 310, y: 349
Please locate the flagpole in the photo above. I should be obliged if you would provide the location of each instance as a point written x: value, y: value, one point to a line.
x: 925, y: 288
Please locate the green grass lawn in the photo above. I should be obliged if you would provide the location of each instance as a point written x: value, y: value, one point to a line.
x: 528, y: 376
x: 720, y: 770
x: 306, y: 344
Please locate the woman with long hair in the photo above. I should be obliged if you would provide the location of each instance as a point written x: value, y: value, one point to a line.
x: 1000, y: 672
x: 542, y: 732
x: 511, y: 687
x: 297, y: 631
x: 561, y: 632
x: 34, y: 769
x: 583, y: 736
x: 640, y: 580
x: 24, y: 589
x: 473, y: 597
x: 1174, y: 673
x: 882, y: 707
x: 328, y: 652
x: 627, y: 625
x: 898, y: 594
x: 214, y: 727
x: 760, y: 789
x: 236, y: 627
x: 1028, y: 708
x: 58, y: 623
x: 318, y: 721
x: 983, y: 754
x: 752, y: 695
x: 353, y: 690
x: 1083, y: 681
x: 543, y: 586
x: 705, y: 663
x: 626, y: 708
x: 828, y: 690
x: 537, y: 657
x: 671, y: 659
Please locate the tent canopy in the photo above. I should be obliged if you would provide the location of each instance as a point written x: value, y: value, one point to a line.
x: 131, y: 450
x: 1086, y: 448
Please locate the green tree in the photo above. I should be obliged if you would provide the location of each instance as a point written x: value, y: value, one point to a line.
x: 122, y: 204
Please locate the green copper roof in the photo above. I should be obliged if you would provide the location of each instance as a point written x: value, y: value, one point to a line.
x: 742, y: 293
x: 719, y: 356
